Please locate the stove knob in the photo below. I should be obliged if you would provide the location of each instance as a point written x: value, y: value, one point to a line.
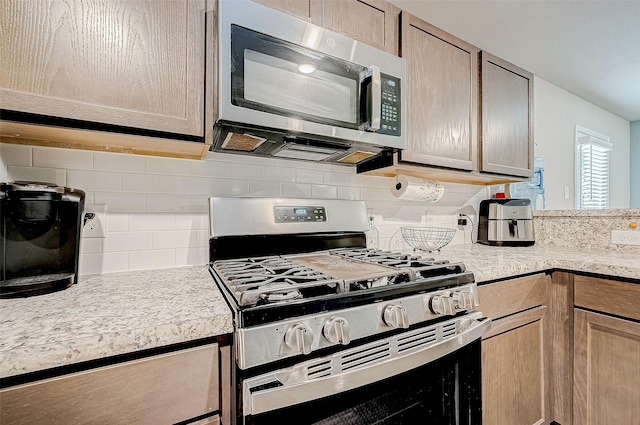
x: 464, y: 300
x: 299, y: 338
x: 442, y: 304
x: 336, y: 330
x: 396, y: 316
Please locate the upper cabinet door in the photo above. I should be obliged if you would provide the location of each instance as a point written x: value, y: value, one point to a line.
x: 442, y: 100
x: 122, y: 62
x: 506, y: 137
x: 309, y: 10
x: 374, y: 22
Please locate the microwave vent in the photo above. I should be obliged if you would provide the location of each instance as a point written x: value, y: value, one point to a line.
x: 242, y: 142
x: 355, y: 157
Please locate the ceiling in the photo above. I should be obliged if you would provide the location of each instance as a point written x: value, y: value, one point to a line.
x: 588, y: 48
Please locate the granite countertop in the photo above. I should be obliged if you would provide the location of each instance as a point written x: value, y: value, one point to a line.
x: 492, y: 262
x: 110, y: 314
x: 119, y: 313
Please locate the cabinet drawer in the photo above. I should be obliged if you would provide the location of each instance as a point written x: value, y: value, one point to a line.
x: 511, y: 296
x: 163, y: 389
x: 609, y: 296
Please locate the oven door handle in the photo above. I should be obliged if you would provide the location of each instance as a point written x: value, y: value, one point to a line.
x: 301, y: 383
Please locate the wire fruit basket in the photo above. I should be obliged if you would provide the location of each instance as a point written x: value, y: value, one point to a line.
x: 427, y: 238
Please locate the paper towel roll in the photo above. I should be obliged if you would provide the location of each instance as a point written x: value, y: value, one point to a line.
x: 416, y: 189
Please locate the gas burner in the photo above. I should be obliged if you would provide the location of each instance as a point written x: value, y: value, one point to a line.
x: 419, y: 266
x: 271, y: 279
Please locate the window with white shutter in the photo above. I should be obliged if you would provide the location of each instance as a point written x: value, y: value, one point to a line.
x: 592, y: 169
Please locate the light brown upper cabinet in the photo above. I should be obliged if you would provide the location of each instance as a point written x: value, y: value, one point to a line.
x: 469, y: 114
x: 441, y: 91
x: 309, y: 10
x: 506, y: 136
x: 374, y: 22
x: 126, y: 63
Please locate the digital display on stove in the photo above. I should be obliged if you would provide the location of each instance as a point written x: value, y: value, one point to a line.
x: 298, y: 214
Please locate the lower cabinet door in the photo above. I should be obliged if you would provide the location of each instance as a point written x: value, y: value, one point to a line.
x: 162, y: 389
x: 606, y: 370
x: 513, y: 361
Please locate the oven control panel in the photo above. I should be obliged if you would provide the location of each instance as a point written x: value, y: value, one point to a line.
x: 298, y: 214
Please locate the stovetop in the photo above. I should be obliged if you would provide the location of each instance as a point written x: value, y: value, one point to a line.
x: 277, y: 280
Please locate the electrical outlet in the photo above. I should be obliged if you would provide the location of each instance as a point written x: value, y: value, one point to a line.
x: 566, y: 192
x: 95, y: 225
x: 625, y: 237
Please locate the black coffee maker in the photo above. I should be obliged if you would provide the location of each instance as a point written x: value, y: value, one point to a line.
x: 41, y: 225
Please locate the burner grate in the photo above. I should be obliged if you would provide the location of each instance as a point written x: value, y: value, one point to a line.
x: 274, y: 279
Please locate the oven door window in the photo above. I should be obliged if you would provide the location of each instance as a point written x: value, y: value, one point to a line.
x: 278, y: 77
x: 442, y: 392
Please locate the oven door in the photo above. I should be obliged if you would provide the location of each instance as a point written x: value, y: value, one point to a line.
x: 428, y: 374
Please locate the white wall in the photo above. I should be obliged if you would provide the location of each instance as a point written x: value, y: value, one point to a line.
x: 556, y: 114
x: 157, y: 207
x: 634, y: 160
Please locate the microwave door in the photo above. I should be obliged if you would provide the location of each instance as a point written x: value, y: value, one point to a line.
x: 278, y: 77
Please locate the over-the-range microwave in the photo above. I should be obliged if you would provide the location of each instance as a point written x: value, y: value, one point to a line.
x: 291, y: 89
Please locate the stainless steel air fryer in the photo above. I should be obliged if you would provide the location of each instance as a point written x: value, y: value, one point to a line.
x: 506, y: 222
x: 41, y: 226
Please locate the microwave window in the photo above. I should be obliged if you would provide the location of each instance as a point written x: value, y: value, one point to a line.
x: 284, y: 85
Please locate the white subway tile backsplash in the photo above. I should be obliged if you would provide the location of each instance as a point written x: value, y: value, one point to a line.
x: 155, y: 259
x: 296, y: 190
x: 339, y: 179
x: 165, y: 239
x: 127, y: 241
x: 248, y: 171
x: 106, y: 262
x: 347, y: 192
x: 200, y: 204
x: 192, y: 221
x: 91, y: 245
x: 146, y: 183
x: 224, y: 157
x: 191, y: 185
x: 280, y: 174
x: 202, y: 238
x: 315, y: 165
x: 322, y: 191
x: 4, y: 177
x: 309, y: 176
x: 15, y: 155
x: 151, y: 221
x: 372, y: 194
x: 106, y: 161
x: 264, y: 189
x: 95, y: 181
x: 121, y: 202
x: 210, y: 168
x: 117, y: 222
x: 157, y: 209
x: 226, y: 187
x: 169, y: 203
x: 69, y: 159
x: 168, y: 166
x: 191, y: 256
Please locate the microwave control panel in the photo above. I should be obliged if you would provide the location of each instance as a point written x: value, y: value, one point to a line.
x: 284, y: 214
x: 390, y: 116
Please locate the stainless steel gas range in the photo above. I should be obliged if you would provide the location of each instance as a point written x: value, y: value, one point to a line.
x: 330, y: 332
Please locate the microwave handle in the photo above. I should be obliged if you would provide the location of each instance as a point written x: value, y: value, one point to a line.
x: 376, y: 98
